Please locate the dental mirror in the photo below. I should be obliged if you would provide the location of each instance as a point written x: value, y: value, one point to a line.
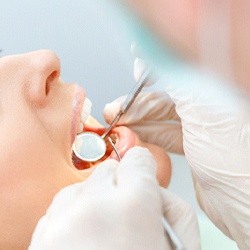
x: 90, y: 146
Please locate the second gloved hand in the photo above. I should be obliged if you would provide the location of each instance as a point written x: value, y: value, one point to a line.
x: 119, y: 207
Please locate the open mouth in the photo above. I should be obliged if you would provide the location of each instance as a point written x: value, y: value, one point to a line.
x: 122, y: 137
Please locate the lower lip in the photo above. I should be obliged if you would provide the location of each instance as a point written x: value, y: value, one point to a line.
x: 77, y: 109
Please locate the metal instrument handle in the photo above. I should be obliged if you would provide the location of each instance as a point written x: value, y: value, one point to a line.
x: 129, y: 100
x: 175, y: 241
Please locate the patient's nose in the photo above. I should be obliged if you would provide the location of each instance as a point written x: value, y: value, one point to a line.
x: 44, y: 71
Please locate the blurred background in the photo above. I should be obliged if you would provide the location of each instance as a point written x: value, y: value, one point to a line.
x: 94, y: 50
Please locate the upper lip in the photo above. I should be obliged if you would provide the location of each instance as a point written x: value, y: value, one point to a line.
x: 78, y: 101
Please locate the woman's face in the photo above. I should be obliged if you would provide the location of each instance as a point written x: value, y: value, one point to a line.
x: 39, y: 117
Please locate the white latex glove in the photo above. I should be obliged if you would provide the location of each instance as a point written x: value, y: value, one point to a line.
x: 216, y: 141
x: 152, y: 117
x: 182, y: 218
x: 118, y: 207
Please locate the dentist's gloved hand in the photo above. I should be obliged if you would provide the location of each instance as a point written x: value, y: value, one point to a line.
x: 216, y: 142
x: 152, y: 117
x: 118, y: 207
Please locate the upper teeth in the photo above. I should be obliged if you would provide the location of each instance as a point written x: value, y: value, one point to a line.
x: 84, y: 115
x: 86, y: 110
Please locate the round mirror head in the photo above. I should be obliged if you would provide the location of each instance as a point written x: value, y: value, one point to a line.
x: 89, y: 147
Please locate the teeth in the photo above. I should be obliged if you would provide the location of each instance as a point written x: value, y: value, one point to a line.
x: 86, y: 110
x: 80, y: 128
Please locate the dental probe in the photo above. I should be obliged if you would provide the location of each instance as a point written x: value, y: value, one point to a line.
x: 114, y: 147
x: 129, y: 99
x: 174, y: 240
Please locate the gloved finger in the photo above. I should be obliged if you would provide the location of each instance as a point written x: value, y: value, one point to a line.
x: 137, y: 169
x: 153, y: 118
x: 64, y: 197
x: 165, y: 135
x: 151, y: 106
x: 199, y: 95
x: 134, y: 50
x: 182, y: 218
x: 105, y: 173
x: 59, y: 208
x: 140, y: 67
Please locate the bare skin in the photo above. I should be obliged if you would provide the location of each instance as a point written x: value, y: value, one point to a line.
x: 38, y: 121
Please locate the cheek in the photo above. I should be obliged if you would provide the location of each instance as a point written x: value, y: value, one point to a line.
x: 56, y: 120
x: 28, y: 149
x: 25, y: 151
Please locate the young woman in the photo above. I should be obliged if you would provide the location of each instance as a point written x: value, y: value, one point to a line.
x: 39, y: 119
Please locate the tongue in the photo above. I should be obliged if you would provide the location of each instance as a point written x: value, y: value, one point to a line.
x: 125, y: 139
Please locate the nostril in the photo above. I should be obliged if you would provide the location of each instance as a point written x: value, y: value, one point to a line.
x: 50, y: 80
